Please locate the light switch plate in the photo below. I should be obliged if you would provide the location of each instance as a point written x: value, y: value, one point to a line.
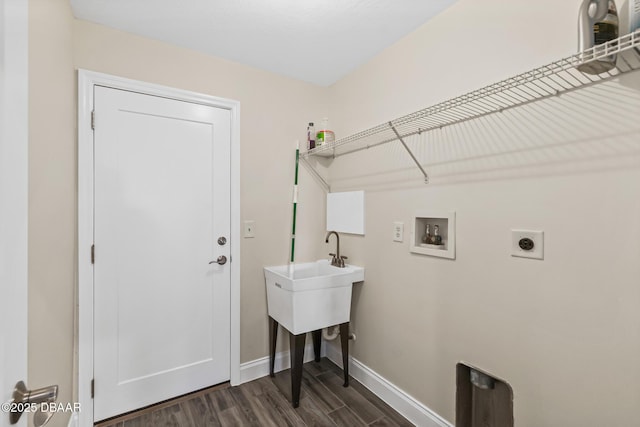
x: 535, y: 237
x: 249, y: 229
x: 398, y: 231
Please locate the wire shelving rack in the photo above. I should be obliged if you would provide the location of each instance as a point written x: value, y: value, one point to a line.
x: 547, y: 81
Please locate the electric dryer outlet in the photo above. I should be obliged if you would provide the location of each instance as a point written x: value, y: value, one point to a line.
x: 527, y: 244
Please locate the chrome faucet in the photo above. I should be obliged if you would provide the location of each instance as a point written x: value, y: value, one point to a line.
x: 337, y: 259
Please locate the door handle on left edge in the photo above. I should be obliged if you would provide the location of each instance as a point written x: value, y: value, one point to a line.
x: 23, y: 398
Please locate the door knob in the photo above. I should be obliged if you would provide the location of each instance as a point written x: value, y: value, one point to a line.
x: 222, y: 260
x: 23, y: 399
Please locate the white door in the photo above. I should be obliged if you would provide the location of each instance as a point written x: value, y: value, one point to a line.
x: 13, y: 201
x: 161, y: 202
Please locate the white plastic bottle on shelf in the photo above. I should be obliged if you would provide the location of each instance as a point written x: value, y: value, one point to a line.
x: 324, y: 135
x: 634, y: 16
x: 597, y: 25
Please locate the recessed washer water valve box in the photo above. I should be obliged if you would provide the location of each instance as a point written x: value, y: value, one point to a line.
x: 434, y: 234
x: 527, y: 244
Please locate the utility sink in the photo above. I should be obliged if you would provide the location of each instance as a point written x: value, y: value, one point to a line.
x: 310, y: 296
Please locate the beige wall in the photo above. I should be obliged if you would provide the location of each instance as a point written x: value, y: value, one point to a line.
x: 564, y: 332
x: 274, y: 113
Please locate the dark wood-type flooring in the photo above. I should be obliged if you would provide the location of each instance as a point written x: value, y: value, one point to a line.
x: 267, y: 402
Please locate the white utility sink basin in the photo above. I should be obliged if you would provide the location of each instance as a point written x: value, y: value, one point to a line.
x: 310, y: 296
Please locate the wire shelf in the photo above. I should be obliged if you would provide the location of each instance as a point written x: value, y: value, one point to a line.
x: 543, y: 82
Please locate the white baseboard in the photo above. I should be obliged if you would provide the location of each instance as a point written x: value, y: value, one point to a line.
x: 259, y: 368
x: 399, y: 400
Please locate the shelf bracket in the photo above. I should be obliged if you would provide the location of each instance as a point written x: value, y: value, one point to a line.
x: 406, y: 147
x: 316, y: 175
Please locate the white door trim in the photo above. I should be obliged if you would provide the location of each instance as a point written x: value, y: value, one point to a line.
x: 86, y: 81
x: 14, y: 190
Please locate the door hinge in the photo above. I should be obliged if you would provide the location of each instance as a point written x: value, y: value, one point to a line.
x: 93, y: 119
x: 93, y: 388
x: 93, y: 254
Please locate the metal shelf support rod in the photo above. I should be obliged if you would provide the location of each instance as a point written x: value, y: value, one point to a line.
x: 406, y: 147
x: 316, y: 175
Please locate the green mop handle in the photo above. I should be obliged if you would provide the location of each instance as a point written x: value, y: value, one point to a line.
x: 295, y: 204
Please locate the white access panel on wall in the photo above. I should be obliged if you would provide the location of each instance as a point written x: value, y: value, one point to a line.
x: 345, y: 212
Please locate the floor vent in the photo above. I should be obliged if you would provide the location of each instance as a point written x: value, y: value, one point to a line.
x: 481, y: 399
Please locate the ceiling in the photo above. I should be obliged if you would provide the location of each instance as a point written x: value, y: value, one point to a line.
x: 317, y: 41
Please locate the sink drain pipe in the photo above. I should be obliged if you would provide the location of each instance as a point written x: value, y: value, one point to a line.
x: 330, y: 336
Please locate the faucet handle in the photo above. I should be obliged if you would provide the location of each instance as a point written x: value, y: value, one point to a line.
x: 335, y: 261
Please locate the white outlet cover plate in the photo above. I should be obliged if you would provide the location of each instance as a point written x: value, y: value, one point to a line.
x: 538, y: 244
x: 398, y: 231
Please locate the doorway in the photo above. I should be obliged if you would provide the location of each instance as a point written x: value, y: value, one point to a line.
x: 159, y: 222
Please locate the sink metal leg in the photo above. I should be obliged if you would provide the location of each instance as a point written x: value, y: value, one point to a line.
x: 296, y: 343
x: 344, y: 341
x: 273, y: 338
x: 296, y: 350
x: 317, y: 342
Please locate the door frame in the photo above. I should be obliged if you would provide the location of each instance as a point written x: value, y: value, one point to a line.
x: 86, y: 81
x: 14, y: 191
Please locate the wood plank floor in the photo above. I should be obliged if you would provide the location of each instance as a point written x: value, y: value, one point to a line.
x: 266, y: 402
